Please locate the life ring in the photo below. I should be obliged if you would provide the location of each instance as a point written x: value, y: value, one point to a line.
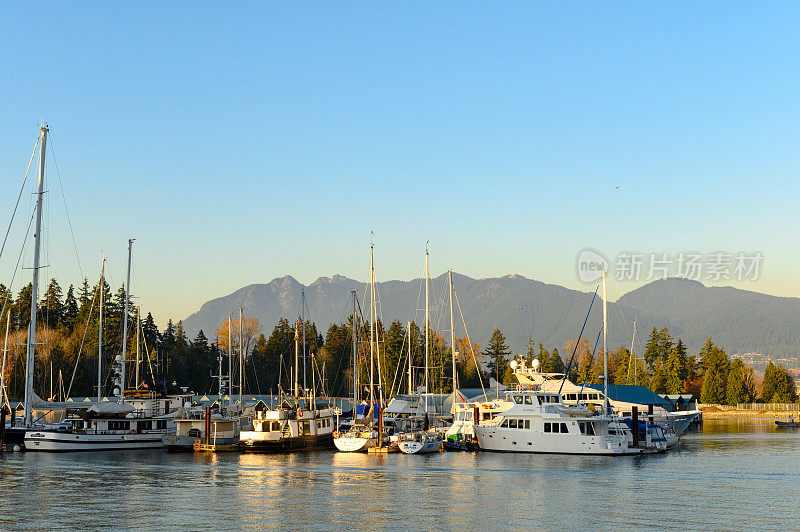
x: 299, y: 412
x: 132, y: 431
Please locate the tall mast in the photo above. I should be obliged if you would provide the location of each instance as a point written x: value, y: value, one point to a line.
x: 427, y: 275
x: 241, y: 356
x: 371, y: 325
x: 408, y: 333
x: 303, y: 320
x: 355, y: 354
x: 125, y: 320
x: 100, y: 335
x: 230, y: 358
x: 296, y: 357
x: 37, y: 236
x: 605, y: 352
x: 138, y: 324
x: 452, y: 334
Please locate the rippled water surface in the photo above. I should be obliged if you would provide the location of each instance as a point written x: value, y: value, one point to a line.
x: 727, y: 475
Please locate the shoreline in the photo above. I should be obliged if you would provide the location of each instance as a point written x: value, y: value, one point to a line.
x: 716, y: 413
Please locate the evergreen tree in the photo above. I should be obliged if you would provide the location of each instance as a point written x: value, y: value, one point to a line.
x: 778, y: 386
x: 739, y: 388
x: 51, y: 305
x: 714, y: 362
x: 497, y: 352
x: 200, y: 341
x: 70, y: 310
x: 556, y: 362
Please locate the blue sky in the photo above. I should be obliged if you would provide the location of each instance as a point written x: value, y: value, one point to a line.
x: 243, y: 143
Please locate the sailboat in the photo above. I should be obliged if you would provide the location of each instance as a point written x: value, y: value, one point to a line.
x: 105, y: 425
x: 364, y: 435
x: 423, y: 440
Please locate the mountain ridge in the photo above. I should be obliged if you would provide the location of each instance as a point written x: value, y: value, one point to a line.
x: 741, y: 321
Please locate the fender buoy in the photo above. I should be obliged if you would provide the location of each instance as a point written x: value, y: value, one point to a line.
x: 299, y: 412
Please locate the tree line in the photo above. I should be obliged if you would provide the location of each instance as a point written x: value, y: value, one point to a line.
x: 67, y: 351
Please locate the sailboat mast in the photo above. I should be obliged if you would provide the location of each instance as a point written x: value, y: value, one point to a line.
x: 427, y: 276
x: 452, y: 333
x: 37, y: 237
x: 605, y: 351
x: 230, y: 363
x: 138, y: 325
x: 3, y: 394
x: 125, y: 320
x: 100, y: 335
x: 303, y: 320
x: 408, y: 333
x: 355, y: 354
x: 371, y: 325
x: 241, y: 356
x: 296, y: 356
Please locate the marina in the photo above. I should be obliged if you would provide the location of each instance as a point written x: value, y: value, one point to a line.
x: 743, y: 470
x: 444, y: 266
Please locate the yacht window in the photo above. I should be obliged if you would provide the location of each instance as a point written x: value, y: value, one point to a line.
x: 547, y: 427
x: 564, y: 428
x: 582, y: 427
x: 487, y: 415
x: 512, y: 423
x: 527, y: 424
x: 161, y: 424
x: 504, y: 423
x: 589, y: 429
x: 626, y: 414
x: 594, y: 397
x: 527, y: 399
x: 518, y: 399
x: 571, y: 397
x: 582, y: 397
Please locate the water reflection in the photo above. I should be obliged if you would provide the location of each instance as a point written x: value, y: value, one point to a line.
x: 725, y: 475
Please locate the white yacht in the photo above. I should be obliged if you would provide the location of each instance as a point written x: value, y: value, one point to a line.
x: 530, y: 376
x: 103, y: 427
x: 537, y: 423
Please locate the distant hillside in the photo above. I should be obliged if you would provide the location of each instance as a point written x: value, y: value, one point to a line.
x: 739, y: 320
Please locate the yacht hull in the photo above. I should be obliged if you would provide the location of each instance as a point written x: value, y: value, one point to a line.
x: 514, y: 441
x: 68, y: 442
x: 288, y: 444
x: 353, y: 445
x: 420, y: 447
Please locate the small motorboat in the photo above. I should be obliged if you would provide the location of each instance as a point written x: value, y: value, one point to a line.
x: 790, y: 423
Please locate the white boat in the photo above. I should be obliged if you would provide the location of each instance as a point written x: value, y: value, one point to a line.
x: 420, y: 442
x: 535, y: 424
x: 358, y: 439
x: 102, y: 427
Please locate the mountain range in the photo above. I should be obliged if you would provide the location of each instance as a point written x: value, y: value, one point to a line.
x: 738, y: 320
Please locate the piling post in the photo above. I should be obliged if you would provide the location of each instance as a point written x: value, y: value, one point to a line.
x: 635, y: 425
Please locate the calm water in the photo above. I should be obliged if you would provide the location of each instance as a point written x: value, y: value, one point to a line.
x: 729, y: 475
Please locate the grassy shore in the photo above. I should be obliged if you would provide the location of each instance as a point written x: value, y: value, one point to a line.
x: 713, y: 412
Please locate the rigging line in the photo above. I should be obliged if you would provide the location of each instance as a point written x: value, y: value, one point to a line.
x: 571, y: 358
x: 21, y: 190
x: 83, y: 339
x: 64, y: 197
x: 589, y: 367
x: 471, y: 348
x: 16, y: 268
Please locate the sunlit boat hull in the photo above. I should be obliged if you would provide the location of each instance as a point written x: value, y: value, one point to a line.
x: 66, y: 442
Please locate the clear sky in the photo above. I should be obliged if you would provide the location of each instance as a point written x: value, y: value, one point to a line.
x: 245, y: 142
